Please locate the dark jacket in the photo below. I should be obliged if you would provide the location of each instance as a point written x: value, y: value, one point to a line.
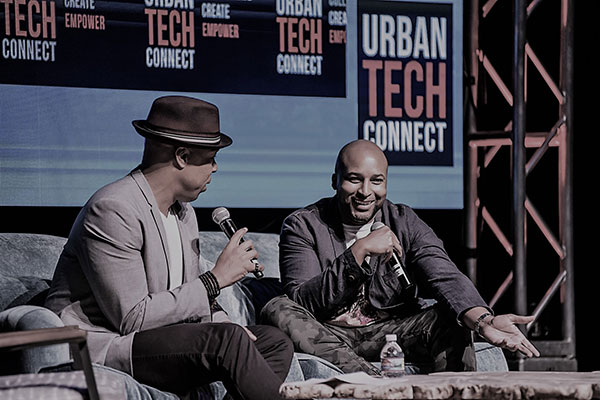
x: 319, y: 273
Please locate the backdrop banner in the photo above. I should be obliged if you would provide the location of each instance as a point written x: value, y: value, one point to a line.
x: 405, y: 80
x: 294, y: 80
x: 289, y: 47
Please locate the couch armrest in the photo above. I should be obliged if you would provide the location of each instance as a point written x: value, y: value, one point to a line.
x: 31, y: 360
x: 40, y: 337
x: 75, y: 337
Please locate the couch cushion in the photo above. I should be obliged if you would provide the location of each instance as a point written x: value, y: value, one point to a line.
x: 139, y: 391
x: 10, y: 289
x: 236, y: 303
x: 243, y: 300
x: 16, y: 291
x: 267, y: 245
x: 316, y: 367
x: 490, y: 358
x: 261, y: 291
x: 59, y: 385
x: 31, y: 359
x: 29, y: 254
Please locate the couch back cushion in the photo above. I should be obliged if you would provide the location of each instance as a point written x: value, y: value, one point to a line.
x: 29, y: 254
x: 244, y: 300
x: 267, y: 245
x: 27, y: 263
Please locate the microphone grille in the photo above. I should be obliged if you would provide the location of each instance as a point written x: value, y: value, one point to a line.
x: 377, y: 225
x: 220, y: 214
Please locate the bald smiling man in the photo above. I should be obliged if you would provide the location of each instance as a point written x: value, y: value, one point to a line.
x: 342, y: 295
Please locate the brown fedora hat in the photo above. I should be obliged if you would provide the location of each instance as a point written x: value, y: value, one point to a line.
x: 183, y: 120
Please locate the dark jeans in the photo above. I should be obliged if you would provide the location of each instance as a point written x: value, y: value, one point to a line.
x: 179, y: 358
x: 431, y: 340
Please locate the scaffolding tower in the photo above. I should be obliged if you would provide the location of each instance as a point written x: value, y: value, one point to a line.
x: 491, y: 133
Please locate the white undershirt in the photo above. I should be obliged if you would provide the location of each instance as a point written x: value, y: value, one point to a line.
x: 175, y: 253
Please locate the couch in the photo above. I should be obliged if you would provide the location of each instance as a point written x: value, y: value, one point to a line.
x: 27, y: 262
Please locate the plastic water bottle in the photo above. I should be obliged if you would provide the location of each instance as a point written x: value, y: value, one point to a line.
x: 392, y: 358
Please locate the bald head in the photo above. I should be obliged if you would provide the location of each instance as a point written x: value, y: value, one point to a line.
x: 360, y: 180
x: 359, y: 150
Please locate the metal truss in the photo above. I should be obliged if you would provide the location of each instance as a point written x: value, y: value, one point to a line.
x: 482, y: 146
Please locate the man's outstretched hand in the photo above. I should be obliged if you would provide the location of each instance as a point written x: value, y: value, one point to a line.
x: 502, y: 331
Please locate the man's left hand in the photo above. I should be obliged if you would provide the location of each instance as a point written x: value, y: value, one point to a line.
x: 502, y: 331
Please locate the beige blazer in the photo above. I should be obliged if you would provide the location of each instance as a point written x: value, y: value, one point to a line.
x: 112, y: 276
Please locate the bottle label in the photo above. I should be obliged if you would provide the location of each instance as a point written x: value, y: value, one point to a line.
x: 392, y: 366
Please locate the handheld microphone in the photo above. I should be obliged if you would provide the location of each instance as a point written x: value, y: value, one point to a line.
x: 395, y: 262
x: 221, y: 217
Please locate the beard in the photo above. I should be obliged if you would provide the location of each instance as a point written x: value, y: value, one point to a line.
x: 353, y: 214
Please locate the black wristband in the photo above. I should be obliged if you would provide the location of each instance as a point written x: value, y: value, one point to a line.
x: 212, y: 285
x: 478, y: 322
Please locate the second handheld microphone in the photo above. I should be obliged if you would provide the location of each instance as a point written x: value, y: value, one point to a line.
x: 395, y: 262
x: 221, y: 217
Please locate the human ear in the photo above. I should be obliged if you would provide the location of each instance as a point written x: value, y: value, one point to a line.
x: 334, y: 181
x: 182, y: 157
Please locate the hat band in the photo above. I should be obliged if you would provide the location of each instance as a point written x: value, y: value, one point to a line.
x: 187, y: 138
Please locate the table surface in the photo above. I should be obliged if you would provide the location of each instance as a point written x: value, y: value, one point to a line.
x: 453, y: 385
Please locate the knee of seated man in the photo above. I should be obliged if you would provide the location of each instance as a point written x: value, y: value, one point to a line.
x: 276, y: 303
x: 281, y: 310
x: 229, y: 330
x: 272, y: 339
x: 276, y: 335
x: 271, y: 312
x: 219, y: 333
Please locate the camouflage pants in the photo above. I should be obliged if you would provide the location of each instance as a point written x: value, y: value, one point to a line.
x: 431, y: 340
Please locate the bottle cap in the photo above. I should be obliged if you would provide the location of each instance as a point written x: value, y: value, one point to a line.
x: 390, y: 337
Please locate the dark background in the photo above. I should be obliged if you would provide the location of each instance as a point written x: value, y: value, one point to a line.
x: 449, y: 224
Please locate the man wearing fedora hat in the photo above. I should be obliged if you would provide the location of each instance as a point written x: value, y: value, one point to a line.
x: 130, y: 273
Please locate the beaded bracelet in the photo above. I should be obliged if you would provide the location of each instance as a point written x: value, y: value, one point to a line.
x: 212, y: 285
x: 479, y: 320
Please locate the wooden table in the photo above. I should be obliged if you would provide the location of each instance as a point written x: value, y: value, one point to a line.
x: 452, y: 385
